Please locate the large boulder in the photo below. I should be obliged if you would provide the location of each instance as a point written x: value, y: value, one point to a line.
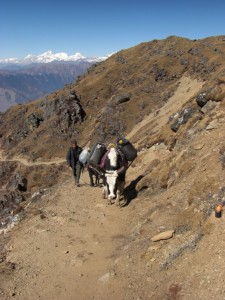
x: 121, y: 98
x: 183, y: 117
x: 201, y: 99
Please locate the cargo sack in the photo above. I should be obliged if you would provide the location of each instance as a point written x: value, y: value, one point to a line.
x: 96, y: 154
x: 127, y: 149
x: 84, y: 156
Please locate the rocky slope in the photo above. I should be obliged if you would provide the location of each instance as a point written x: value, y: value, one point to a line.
x: 168, y: 98
x: 115, y: 95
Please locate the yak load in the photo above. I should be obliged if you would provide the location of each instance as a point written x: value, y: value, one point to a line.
x: 110, y: 163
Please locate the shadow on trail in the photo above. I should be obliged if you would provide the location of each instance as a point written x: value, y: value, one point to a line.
x: 130, y: 191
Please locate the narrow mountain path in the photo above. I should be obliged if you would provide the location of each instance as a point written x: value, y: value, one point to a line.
x: 68, y: 248
x: 26, y: 162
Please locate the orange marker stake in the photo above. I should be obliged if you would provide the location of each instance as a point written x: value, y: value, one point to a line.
x: 218, y: 211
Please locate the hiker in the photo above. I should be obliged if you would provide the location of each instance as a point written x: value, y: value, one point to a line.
x: 73, y: 162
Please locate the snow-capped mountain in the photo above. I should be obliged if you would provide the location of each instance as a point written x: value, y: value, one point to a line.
x: 32, y: 77
x: 49, y: 56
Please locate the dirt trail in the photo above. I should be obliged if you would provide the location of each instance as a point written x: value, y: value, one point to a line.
x: 25, y: 162
x: 68, y: 248
x: 73, y: 246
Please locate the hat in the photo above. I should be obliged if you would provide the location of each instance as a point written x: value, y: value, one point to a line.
x: 73, y: 142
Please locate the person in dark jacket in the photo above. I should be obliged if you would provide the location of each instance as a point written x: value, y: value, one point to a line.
x: 73, y: 162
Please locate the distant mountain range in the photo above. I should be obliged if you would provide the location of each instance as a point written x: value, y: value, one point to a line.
x: 35, y: 76
x: 48, y: 57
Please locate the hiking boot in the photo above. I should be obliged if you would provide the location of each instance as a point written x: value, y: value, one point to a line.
x: 77, y: 184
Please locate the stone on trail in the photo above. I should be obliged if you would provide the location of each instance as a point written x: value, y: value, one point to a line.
x: 199, y: 146
x: 105, y: 278
x: 163, y: 236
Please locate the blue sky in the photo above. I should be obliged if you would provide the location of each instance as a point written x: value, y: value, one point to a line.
x: 96, y: 28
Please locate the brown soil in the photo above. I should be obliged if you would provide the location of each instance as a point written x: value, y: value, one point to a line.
x: 74, y: 246
x: 69, y: 248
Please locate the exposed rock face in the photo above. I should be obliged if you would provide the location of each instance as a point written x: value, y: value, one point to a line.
x: 33, y: 121
x: 58, y: 118
x: 10, y: 200
x: 7, y: 169
x: 182, y: 118
x: 18, y: 183
x: 68, y: 111
x: 12, y: 187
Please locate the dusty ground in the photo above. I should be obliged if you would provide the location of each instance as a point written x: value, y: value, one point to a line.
x: 74, y: 246
x: 69, y: 248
